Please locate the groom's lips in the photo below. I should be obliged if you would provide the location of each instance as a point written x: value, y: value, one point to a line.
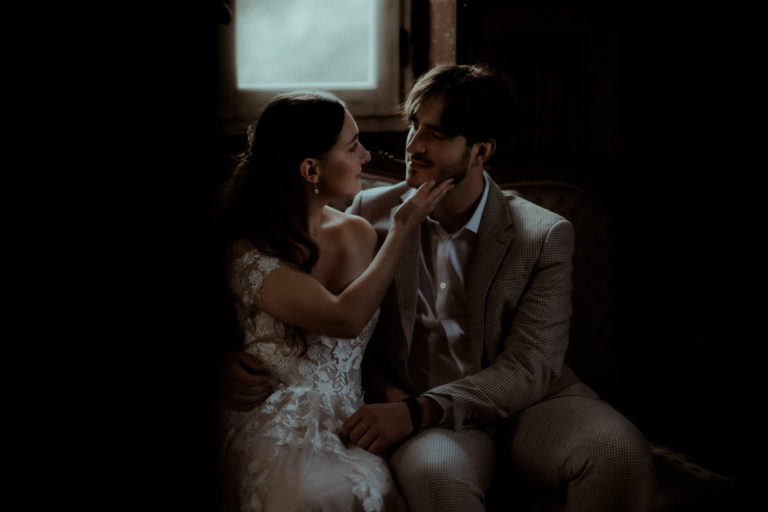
x: 418, y: 162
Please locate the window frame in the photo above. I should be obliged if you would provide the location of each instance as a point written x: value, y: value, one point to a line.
x: 375, y: 109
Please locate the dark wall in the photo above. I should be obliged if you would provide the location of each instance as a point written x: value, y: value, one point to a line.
x: 651, y: 109
x: 186, y: 165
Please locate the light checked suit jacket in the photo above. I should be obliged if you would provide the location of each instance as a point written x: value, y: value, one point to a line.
x: 519, y: 306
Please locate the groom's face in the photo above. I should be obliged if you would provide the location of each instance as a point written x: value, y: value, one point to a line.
x: 430, y: 154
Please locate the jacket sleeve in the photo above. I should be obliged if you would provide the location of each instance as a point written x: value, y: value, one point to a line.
x: 535, y: 341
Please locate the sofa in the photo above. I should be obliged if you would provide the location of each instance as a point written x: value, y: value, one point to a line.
x: 682, y: 481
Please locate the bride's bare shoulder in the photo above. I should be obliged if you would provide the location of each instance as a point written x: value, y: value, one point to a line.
x: 352, y: 228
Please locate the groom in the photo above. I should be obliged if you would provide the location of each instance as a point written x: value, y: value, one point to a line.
x: 465, y: 370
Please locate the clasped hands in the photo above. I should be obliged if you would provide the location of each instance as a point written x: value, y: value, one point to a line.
x: 377, y: 428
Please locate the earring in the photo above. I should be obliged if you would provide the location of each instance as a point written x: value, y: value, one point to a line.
x: 317, y: 191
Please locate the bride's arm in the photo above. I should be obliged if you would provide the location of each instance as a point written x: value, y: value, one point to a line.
x: 298, y: 299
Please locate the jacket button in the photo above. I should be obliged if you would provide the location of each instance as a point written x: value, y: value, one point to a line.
x: 401, y: 365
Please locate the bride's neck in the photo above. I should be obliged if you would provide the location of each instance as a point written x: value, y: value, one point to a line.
x: 315, y: 218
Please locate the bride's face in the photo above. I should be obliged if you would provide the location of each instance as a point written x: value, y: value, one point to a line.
x: 341, y: 168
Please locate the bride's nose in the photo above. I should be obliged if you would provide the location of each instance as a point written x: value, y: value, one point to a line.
x: 366, y: 155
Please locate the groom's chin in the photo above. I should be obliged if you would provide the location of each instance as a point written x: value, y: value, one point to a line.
x: 415, y: 179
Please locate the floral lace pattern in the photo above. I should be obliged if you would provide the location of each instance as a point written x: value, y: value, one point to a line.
x: 286, y: 454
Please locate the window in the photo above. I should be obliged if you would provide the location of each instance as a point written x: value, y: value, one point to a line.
x: 348, y: 47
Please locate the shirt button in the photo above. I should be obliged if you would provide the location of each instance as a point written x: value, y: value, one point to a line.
x: 442, y: 286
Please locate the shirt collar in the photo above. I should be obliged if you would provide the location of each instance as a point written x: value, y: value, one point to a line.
x: 474, y: 222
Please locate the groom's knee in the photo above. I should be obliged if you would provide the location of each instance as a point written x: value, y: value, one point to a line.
x: 610, y: 467
x: 444, y: 470
x: 431, y: 486
x: 610, y: 446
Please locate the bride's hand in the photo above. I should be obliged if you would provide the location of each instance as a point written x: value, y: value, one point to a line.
x: 412, y: 212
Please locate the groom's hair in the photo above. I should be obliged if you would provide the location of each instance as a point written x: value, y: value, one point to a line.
x: 478, y: 102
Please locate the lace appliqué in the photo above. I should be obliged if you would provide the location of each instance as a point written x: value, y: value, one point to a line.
x: 295, y: 431
x: 247, y: 274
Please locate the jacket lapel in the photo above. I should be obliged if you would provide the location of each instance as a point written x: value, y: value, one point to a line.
x: 493, y: 239
x: 407, y: 282
x: 407, y: 279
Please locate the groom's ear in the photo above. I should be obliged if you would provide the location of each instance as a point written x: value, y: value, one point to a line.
x: 484, y: 151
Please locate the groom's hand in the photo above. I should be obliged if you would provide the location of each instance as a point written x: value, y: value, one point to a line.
x: 245, y: 382
x: 378, y: 428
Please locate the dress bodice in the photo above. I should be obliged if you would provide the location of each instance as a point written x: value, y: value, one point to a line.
x: 330, y: 365
x: 287, y: 450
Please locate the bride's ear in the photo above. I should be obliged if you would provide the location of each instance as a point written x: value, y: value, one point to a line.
x: 308, y: 169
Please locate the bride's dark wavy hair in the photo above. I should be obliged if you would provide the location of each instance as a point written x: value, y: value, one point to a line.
x: 264, y: 201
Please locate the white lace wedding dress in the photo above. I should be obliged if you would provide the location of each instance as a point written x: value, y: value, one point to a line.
x: 286, y: 455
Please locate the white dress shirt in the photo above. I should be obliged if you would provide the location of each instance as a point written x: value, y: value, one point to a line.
x: 440, y: 348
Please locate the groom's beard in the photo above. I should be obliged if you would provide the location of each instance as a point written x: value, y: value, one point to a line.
x: 456, y: 170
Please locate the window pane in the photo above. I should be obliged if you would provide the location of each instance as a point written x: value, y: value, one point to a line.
x: 326, y: 44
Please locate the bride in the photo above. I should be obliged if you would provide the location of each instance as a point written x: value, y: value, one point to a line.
x: 306, y: 282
